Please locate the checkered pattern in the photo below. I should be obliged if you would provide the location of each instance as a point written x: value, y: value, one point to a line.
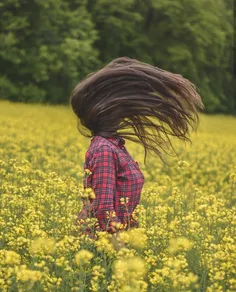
x: 115, y: 177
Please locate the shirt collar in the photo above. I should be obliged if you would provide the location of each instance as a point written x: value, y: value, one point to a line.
x: 118, y: 141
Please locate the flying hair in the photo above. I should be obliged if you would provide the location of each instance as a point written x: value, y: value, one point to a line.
x: 138, y: 102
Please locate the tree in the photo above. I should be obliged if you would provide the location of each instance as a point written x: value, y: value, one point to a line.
x: 193, y: 38
x: 45, y: 48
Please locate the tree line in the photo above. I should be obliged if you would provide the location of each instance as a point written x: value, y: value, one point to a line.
x: 47, y: 46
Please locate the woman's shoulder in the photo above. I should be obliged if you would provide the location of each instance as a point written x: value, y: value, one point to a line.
x: 98, y: 143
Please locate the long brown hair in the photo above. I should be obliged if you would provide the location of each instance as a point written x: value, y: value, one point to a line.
x: 137, y: 101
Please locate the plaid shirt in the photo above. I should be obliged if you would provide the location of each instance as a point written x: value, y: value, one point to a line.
x: 116, y: 181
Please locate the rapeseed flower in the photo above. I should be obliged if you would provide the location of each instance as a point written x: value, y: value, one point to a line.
x: 179, y: 244
x: 186, y: 214
x: 43, y: 245
x: 83, y: 257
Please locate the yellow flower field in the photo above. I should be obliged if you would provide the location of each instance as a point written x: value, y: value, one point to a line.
x: 186, y: 239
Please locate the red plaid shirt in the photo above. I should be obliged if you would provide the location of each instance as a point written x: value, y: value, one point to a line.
x: 116, y: 181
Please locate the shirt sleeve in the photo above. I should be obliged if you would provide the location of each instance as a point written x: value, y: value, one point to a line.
x: 103, y: 183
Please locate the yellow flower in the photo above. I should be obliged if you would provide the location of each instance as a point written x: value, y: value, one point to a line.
x: 232, y: 177
x: 23, y: 274
x: 134, y: 265
x: 136, y: 237
x: 83, y: 257
x: 40, y: 187
x: 43, y: 245
x: 179, y: 244
x: 89, y: 193
x: 12, y: 258
x: 87, y: 171
x: 122, y: 201
x: 104, y: 243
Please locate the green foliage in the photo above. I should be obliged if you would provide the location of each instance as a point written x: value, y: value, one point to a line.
x: 46, y: 47
x: 193, y: 38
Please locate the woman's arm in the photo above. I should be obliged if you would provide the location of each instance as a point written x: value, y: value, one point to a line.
x: 103, y: 183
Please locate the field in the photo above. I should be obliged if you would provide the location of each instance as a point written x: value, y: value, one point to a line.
x: 186, y: 239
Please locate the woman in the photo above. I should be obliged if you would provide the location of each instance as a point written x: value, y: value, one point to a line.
x: 133, y: 100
